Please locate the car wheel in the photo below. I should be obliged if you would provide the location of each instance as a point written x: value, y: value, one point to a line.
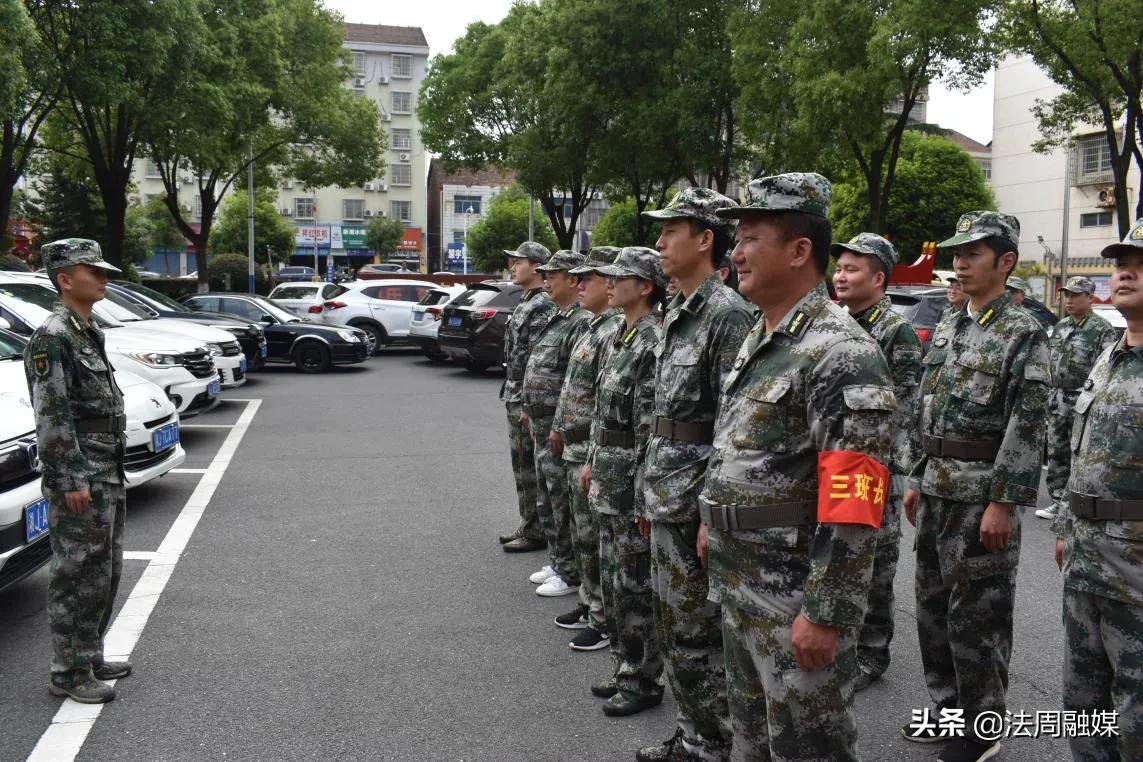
x: 434, y: 354
x: 375, y: 337
x: 474, y: 367
x: 311, y: 357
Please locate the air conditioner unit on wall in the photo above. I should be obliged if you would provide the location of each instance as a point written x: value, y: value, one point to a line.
x: 359, y: 83
x: 287, y: 211
x: 596, y: 195
x: 404, y: 157
x: 1106, y: 198
x: 289, y: 185
x: 368, y: 212
x: 386, y: 118
x: 188, y: 179
x: 384, y: 187
x: 370, y: 186
x: 187, y: 207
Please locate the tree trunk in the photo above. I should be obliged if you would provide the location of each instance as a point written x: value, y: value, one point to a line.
x: 873, y: 220
x: 114, y: 198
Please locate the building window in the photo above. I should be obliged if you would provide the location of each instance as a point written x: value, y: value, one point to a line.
x: 461, y: 204
x: 401, y: 210
x: 401, y: 174
x: 352, y: 209
x: 1093, y: 158
x: 458, y: 236
x: 151, y: 169
x: 304, y: 208
x: 986, y: 168
x: 402, y: 103
x: 359, y: 63
x: 197, y: 207
x: 401, y: 139
x: 1096, y: 220
x: 402, y: 66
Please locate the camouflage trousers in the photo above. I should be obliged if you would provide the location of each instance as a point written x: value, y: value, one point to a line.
x: 524, y: 469
x: 1061, y: 413
x: 625, y: 571
x: 777, y: 711
x: 689, y: 627
x: 83, y: 578
x: 585, y: 534
x: 877, y: 629
x: 553, y: 503
x: 1103, y: 671
x: 965, y: 597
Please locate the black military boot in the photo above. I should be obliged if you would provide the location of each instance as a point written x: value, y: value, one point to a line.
x: 84, y: 689
x: 671, y: 750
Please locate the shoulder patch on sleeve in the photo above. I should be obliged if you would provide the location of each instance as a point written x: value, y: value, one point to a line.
x: 40, y: 364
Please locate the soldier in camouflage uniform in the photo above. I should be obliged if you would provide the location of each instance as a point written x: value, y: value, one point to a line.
x: 543, y: 379
x: 955, y: 295
x: 620, y: 427
x: 1017, y: 289
x: 79, y: 427
x: 1102, y: 523
x: 527, y: 320
x: 1076, y: 342
x: 864, y: 266
x: 571, y: 430
x: 795, y: 487
x: 704, y: 325
x: 984, y: 402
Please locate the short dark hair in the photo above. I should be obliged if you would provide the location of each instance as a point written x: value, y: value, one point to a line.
x: 1000, y: 246
x: 811, y: 226
x: 54, y: 274
x: 723, y: 240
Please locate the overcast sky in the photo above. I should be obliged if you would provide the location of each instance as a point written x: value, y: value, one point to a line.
x: 445, y: 20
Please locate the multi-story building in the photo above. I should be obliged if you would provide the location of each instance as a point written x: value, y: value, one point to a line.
x: 1040, y: 188
x: 389, y: 64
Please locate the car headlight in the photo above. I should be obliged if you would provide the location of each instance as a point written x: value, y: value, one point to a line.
x: 349, y: 336
x: 215, y: 350
x: 157, y: 359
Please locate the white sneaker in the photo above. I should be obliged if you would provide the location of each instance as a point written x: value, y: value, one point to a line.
x: 1046, y: 513
x: 555, y: 587
x: 542, y: 576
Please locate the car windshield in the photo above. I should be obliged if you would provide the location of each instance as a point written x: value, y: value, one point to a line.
x: 476, y: 296
x: 158, y: 297
x: 39, y: 300
x: 11, y: 346
x: 123, y: 309
x: 294, y: 292
x: 279, y: 314
x: 434, y: 297
x: 905, y: 305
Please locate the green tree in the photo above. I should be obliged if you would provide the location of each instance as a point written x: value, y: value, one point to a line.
x: 619, y: 227
x: 1092, y: 50
x: 268, y: 89
x: 383, y: 235
x: 230, y: 272
x: 937, y: 181
x: 149, y: 228
x: 503, y: 228
x: 65, y: 198
x: 273, y: 236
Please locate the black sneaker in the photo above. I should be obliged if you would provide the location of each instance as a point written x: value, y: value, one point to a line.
x: 589, y: 639
x: 576, y: 619
x: 923, y: 732
x: 865, y: 678
x: 968, y: 750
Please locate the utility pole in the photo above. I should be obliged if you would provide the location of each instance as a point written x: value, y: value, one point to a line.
x: 531, y: 218
x: 250, y: 218
x: 1067, y: 222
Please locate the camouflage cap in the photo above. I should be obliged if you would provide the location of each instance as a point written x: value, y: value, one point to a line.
x: 597, y: 257
x: 1077, y: 284
x: 1017, y: 284
x: 871, y: 245
x: 638, y: 261
x: 976, y: 226
x: 697, y: 204
x: 1132, y: 243
x: 537, y: 252
x: 74, y: 251
x: 806, y: 192
x: 562, y: 261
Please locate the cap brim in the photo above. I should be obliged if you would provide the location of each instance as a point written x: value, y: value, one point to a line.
x: 1073, y: 290
x: 738, y: 212
x: 836, y: 249
x: 961, y: 239
x: 613, y: 271
x: 583, y: 270
x: 102, y: 265
x: 1120, y: 250
x: 666, y: 214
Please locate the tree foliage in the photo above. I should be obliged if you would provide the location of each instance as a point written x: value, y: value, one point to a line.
x: 504, y: 227
x: 619, y: 227
x: 937, y: 181
x: 1093, y: 49
x: 231, y: 272
x: 384, y: 234
x: 270, y: 229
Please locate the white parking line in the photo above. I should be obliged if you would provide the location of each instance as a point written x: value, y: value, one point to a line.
x: 139, y: 555
x: 65, y: 736
x: 207, y: 425
x: 187, y: 471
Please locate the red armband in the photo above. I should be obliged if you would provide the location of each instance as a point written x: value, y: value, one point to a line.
x: 852, y: 488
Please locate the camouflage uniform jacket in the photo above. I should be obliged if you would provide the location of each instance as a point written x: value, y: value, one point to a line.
x: 1075, y: 347
x: 71, y: 379
x: 817, y: 383
x: 524, y: 325
x: 1106, y: 557
x: 624, y: 402
x: 701, y: 336
x: 577, y: 397
x: 902, y: 350
x: 986, y: 379
x: 548, y: 360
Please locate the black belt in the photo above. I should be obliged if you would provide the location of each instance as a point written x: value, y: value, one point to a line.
x: 699, y: 433
x: 577, y: 434
x: 743, y: 517
x: 111, y: 424
x: 615, y: 438
x: 1105, y: 509
x: 954, y: 448
x: 539, y: 411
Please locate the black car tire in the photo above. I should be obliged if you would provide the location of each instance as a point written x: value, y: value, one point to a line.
x: 375, y: 335
x: 434, y: 353
x: 474, y: 366
x: 312, y: 357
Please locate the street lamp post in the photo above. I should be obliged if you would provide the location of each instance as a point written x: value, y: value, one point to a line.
x: 464, y: 256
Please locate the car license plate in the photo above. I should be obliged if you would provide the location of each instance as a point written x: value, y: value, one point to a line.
x: 35, y: 519
x: 214, y: 389
x: 165, y: 436
x: 242, y: 363
x: 454, y: 321
x: 418, y: 315
x: 265, y: 350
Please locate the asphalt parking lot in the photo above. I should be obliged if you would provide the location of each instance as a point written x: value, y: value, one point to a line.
x: 342, y: 596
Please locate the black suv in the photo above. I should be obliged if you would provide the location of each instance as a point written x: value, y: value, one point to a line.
x: 473, y: 324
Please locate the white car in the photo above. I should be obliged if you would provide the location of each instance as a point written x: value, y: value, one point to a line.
x: 152, y: 445
x: 1113, y: 316
x: 305, y: 299
x: 381, y: 308
x: 181, y: 367
x: 426, y: 319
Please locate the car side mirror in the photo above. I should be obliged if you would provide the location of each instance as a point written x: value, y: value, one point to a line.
x: 269, y: 320
x: 5, y: 324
